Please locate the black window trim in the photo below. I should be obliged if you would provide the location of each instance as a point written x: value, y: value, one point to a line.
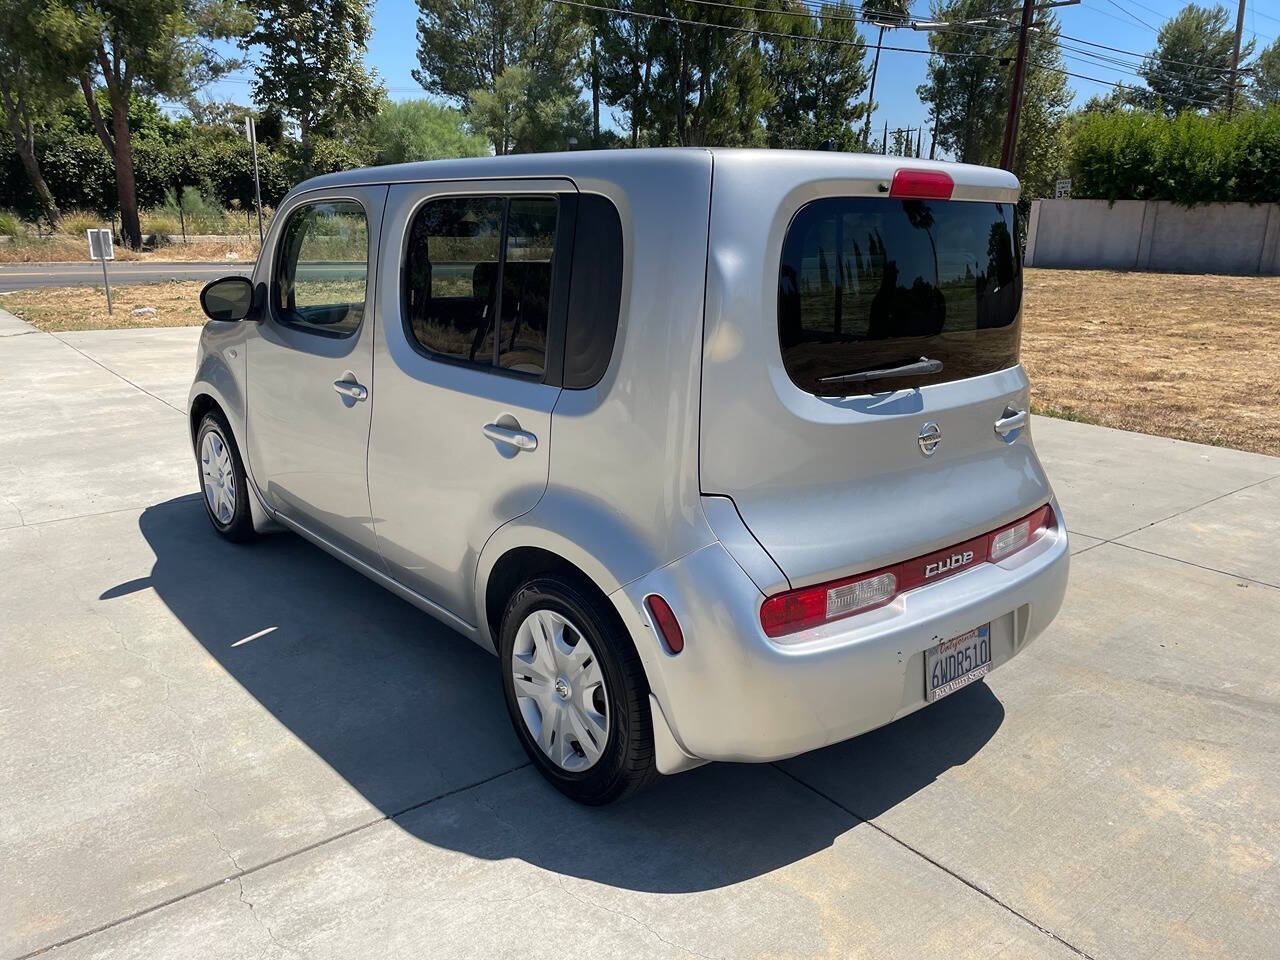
x: 277, y: 259
x: 561, y: 257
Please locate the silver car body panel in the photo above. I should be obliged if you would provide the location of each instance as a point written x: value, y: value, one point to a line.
x: 678, y: 473
x: 307, y: 442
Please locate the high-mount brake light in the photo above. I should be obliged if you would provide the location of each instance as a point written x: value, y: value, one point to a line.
x: 911, y: 184
x: 796, y: 610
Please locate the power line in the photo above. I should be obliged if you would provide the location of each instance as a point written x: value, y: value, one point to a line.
x: 809, y: 13
x: 1131, y: 14
x: 768, y: 33
x: 848, y: 43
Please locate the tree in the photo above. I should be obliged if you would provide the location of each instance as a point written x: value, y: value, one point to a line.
x: 1265, y: 85
x: 1190, y: 67
x: 628, y: 53
x: 312, y: 68
x: 816, y: 75
x: 421, y: 130
x: 30, y: 81
x: 517, y: 118
x: 709, y: 87
x: 143, y: 47
x: 968, y: 85
x: 887, y: 15
x: 468, y: 46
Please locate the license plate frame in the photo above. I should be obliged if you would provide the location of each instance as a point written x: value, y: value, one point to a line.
x: 954, y: 664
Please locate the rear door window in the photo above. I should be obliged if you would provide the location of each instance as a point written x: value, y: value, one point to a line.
x: 478, y: 278
x: 869, y: 283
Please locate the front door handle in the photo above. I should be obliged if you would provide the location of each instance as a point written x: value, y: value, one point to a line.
x: 521, y: 439
x: 1011, y: 420
x: 351, y: 389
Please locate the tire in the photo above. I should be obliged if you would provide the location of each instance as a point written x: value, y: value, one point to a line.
x: 624, y: 763
x: 227, y: 509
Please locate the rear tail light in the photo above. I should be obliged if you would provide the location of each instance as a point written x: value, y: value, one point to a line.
x: 921, y: 185
x: 796, y: 610
x: 1009, y: 540
x: 668, y: 625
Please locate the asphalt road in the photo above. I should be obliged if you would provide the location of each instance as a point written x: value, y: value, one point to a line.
x: 220, y: 751
x: 21, y: 276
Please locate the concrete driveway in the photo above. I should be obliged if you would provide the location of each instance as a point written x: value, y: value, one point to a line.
x: 220, y: 752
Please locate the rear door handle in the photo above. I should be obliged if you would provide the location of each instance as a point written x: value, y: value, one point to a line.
x: 1010, y: 422
x: 521, y: 439
x: 350, y: 389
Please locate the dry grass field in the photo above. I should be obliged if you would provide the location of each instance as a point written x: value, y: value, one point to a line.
x: 1186, y: 356
x: 58, y: 309
x: 62, y: 249
x: 1192, y: 357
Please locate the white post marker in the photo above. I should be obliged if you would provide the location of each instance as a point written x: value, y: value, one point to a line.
x: 251, y: 132
x: 100, y: 248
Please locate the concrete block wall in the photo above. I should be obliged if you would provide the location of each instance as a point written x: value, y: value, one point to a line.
x: 1233, y: 238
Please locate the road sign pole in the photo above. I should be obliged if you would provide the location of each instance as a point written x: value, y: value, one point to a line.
x: 101, y: 248
x: 106, y: 283
x: 251, y: 131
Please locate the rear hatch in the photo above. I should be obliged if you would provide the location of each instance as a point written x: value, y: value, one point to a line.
x: 835, y: 464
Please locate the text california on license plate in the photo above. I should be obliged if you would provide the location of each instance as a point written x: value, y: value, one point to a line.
x: 957, y: 662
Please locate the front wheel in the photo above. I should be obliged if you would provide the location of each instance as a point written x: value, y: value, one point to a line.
x: 576, y: 692
x: 222, y: 478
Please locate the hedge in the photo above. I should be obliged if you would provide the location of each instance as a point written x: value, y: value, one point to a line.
x: 1188, y: 159
x: 81, y: 175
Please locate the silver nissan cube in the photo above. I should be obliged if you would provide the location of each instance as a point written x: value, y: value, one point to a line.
x: 725, y: 454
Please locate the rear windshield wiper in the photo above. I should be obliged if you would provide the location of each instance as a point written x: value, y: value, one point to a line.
x: 915, y: 368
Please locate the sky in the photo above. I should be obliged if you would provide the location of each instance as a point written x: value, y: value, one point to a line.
x: 1128, y: 25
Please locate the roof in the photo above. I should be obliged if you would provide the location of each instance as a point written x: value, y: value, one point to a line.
x: 603, y: 164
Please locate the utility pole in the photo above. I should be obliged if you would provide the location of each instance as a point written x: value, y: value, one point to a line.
x: 1015, y: 96
x: 1235, y: 60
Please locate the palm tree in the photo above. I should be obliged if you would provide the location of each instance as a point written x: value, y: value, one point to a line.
x: 887, y: 15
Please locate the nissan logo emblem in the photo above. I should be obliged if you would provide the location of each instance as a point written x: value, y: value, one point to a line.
x: 930, y: 438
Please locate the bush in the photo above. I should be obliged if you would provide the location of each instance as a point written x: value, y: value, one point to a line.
x: 1188, y: 159
x: 160, y: 223
x: 75, y: 222
x: 10, y: 225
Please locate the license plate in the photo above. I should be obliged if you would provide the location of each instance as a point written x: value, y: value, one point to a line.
x: 957, y: 662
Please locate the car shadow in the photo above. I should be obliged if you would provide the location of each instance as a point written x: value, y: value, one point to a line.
x: 409, y: 712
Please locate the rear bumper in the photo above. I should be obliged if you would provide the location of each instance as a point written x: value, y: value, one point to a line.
x: 734, y: 694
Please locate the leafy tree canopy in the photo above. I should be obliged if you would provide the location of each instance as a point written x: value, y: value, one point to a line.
x: 422, y: 130
x: 1189, y: 69
x: 968, y: 88
x: 311, y: 69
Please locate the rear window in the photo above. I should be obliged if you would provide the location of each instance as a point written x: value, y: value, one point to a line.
x: 873, y: 283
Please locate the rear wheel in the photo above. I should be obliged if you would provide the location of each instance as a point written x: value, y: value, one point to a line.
x: 576, y: 692
x: 222, y: 478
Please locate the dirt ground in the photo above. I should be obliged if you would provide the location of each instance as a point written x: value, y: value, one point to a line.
x: 1185, y: 356
x: 1191, y: 357
x: 58, y: 309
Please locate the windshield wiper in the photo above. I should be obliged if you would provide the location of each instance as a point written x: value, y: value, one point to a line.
x: 914, y: 369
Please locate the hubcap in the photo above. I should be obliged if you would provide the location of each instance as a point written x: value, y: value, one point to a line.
x: 560, y: 690
x: 219, y: 477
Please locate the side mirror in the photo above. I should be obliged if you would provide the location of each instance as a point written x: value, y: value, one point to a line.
x: 228, y: 298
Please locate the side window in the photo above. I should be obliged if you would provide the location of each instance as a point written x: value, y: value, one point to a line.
x: 322, y: 268
x: 595, y: 292
x: 478, y: 279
